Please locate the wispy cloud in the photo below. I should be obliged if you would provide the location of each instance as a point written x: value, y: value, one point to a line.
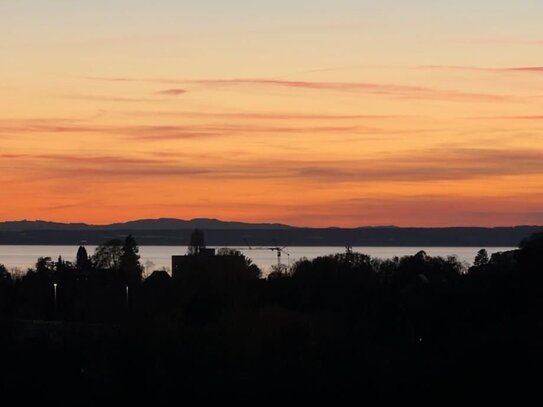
x: 503, y: 41
x: 99, y: 165
x: 172, y: 92
x: 265, y: 115
x: 461, y: 164
x: 398, y: 91
x: 529, y: 69
x: 520, y: 69
x: 48, y: 126
x: 507, y: 117
x: 428, y: 210
x: 153, y: 133
x: 105, y: 98
x: 176, y: 132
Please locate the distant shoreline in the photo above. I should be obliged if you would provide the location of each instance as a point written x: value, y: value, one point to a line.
x: 301, y: 237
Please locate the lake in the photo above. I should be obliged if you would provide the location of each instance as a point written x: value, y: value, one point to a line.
x: 20, y: 258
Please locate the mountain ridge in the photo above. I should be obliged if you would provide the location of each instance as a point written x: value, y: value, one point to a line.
x: 138, y: 224
x: 206, y: 223
x: 168, y: 231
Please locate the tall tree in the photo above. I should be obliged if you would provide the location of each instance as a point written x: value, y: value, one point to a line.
x: 60, y: 265
x: 130, y: 267
x: 197, y: 242
x: 82, y: 259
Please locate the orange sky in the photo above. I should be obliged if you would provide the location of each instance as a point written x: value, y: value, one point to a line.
x: 319, y: 116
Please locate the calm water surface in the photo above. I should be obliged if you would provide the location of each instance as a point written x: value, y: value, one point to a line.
x: 155, y: 257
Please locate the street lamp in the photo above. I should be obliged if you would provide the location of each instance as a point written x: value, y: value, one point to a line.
x: 126, y: 296
x: 55, y: 293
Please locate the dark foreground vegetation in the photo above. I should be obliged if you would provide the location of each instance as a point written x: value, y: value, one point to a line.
x: 343, y: 328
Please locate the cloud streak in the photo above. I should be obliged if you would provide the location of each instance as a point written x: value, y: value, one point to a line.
x: 462, y: 164
x: 521, y: 69
x: 516, y: 118
x: 502, y: 42
x: 399, y: 91
x: 376, y: 89
x: 429, y: 210
x: 176, y: 132
x: 266, y: 115
x: 172, y: 92
x: 102, y: 98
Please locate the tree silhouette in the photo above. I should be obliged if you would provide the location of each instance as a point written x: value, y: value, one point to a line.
x: 82, y: 259
x: 60, y: 265
x: 197, y: 242
x: 4, y: 274
x: 44, y: 266
x: 130, y: 267
x: 247, y: 265
x: 481, y: 259
x: 108, y: 255
x: 278, y: 270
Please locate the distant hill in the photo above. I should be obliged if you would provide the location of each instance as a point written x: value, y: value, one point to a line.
x: 220, y: 233
x: 27, y: 226
x: 200, y: 223
x: 142, y: 224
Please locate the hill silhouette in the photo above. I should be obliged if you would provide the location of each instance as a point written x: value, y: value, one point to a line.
x: 140, y: 224
x: 220, y: 233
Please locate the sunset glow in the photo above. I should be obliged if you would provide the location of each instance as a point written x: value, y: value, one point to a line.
x: 311, y: 113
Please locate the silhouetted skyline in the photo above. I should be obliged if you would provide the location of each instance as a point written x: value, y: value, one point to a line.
x: 340, y: 326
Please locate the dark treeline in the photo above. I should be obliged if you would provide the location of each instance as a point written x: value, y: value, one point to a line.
x: 334, y: 328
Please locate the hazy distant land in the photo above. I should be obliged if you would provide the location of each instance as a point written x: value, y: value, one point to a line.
x: 220, y: 233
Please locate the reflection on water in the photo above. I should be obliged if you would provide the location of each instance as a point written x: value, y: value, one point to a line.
x: 156, y: 257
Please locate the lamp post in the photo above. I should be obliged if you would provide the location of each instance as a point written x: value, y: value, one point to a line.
x: 126, y: 289
x: 55, y: 293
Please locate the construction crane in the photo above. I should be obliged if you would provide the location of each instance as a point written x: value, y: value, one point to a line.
x: 279, y: 250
